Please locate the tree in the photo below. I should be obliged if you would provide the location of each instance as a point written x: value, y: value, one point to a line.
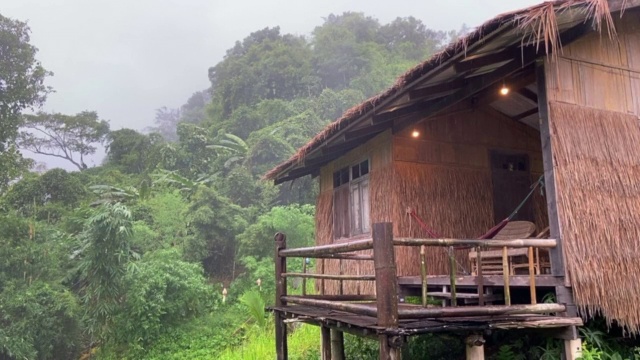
x: 21, y: 87
x: 132, y: 151
x: 69, y: 137
x: 166, y: 121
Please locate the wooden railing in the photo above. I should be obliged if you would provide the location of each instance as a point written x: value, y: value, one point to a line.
x: 386, y: 309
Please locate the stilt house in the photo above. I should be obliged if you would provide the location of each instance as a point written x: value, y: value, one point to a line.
x: 547, y: 96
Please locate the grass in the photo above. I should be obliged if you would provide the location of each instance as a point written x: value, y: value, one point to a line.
x: 303, y: 343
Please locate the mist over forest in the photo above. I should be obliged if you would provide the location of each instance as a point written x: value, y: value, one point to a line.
x: 164, y: 250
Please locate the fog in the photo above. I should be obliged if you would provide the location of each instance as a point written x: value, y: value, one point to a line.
x: 124, y: 59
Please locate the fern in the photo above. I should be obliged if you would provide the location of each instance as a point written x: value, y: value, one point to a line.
x: 255, y: 306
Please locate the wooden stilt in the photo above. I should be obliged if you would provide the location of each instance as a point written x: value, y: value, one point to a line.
x: 325, y: 333
x: 281, y: 291
x: 573, y: 349
x: 452, y: 277
x: 532, y: 278
x: 386, y: 287
x: 475, y: 347
x: 337, y: 345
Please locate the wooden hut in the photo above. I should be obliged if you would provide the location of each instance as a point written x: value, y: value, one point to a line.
x: 552, y: 91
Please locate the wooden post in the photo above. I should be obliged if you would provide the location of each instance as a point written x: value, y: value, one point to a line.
x: 304, y: 279
x: 475, y: 347
x: 423, y: 274
x: 386, y: 287
x: 281, y: 290
x: 505, y: 276
x: 573, y: 349
x: 452, y: 277
x: 337, y: 345
x: 341, y: 281
x: 326, y: 342
x: 480, y: 277
x: 555, y: 254
x: 532, y: 277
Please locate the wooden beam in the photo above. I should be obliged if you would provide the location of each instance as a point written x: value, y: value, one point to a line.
x: 475, y: 62
x: 313, y: 251
x: 525, y: 114
x: 366, y: 131
x: 473, y: 281
x: 419, y: 312
x: 528, y: 94
x: 557, y: 263
x: 281, y: 292
x: 515, y: 83
x: 437, y: 88
x: 514, y: 243
x: 475, y: 85
x: 330, y: 276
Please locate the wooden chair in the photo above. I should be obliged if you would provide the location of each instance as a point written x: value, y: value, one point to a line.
x: 492, y: 259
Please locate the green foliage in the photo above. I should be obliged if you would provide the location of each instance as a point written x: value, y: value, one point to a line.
x: 254, y: 303
x: 22, y: 78
x: 105, y: 255
x: 31, y: 194
x: 161, y: 291
x: 215, y: 222
x: 295, y: 221
x: 133, y: 152
x: 69, y: 137
x: 38, y: 321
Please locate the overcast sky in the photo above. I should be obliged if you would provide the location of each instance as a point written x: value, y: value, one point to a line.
x: 126, y: 58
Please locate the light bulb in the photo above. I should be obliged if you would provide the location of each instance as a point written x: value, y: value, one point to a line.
x: 415, y: 133
x: 504, y: 90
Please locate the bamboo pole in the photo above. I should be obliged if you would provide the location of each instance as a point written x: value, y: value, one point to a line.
x: 418, y: 312
x: 346, y: 256
x: 341, y: 264
x: 314, y: 251
x: 330, y: 276
x: 347, y: 297
x: 487, y: 310
x: 423, y: 274
x: 532, y: 277
x: 281, y: 293
x: 452, y: 277
x: 505, y: 275
x: 514, y: 243
x: 480, y: 277
x: 304, y: 279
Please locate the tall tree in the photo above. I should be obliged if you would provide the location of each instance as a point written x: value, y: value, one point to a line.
x: 21, y: 87
x: 69, y: 137
x: 166, y: 122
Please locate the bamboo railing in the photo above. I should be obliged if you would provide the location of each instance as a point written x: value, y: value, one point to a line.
x: 386, y: 308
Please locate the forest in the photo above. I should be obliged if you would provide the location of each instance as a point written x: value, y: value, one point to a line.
x: 165, y: 250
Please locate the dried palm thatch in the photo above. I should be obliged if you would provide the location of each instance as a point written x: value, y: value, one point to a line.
x: 455, y: 202
x: 598, y: 198
x: 538, y: 24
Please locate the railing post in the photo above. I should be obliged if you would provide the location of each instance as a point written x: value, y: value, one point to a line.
x: 386, y: 287
x: 505, y: 276
x: 452, y: 277
x: 423, y: 273
x: 281, y: 290
x: 532, y: 278
x: 480, y: 276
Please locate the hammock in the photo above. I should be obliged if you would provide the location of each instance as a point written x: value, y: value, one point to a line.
x: 491, y: 232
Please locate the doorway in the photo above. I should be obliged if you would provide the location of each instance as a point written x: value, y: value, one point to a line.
x: 511, y: 179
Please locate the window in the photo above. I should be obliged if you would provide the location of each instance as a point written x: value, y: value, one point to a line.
x: 351, y: 201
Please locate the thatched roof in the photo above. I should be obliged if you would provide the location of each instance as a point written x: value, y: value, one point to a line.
x: 539, y: 28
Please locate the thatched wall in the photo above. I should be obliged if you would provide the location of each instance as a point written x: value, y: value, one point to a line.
x: 598, y: 196
x: 378, y: 151
x: 594, y: 94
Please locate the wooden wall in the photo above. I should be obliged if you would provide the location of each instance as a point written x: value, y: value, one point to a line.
x: 445, y: 176
x: 594, y: 100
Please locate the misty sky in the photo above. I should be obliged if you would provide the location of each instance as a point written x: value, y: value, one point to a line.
x: 126, y: 58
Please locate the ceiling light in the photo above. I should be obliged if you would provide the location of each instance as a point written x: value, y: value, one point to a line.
x: 415, y: 133
x: 504, y: 90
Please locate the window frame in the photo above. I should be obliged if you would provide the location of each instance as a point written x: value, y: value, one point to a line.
x: 357, y: 182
